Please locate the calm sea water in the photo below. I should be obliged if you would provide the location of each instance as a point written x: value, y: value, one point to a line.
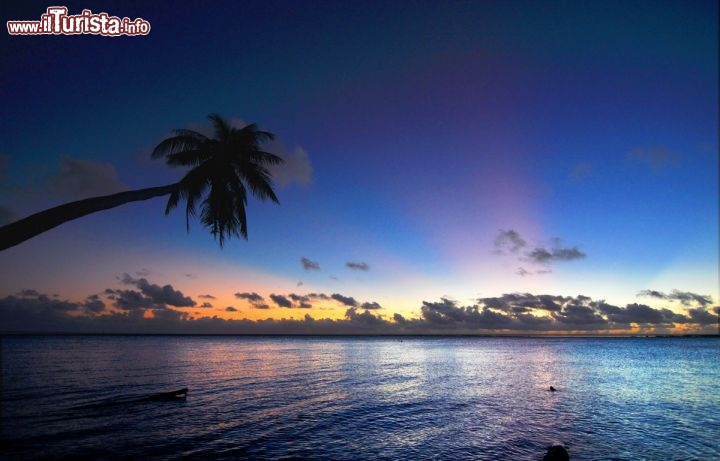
x: 359, y: 398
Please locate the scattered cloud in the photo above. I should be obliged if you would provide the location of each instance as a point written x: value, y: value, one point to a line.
x: 303, y: 302
x: 281, y: 301
x: 346, y: 300
x: 256, y: 301
x: 544, y: 256
x: 511, y: 313
x: 358, y: 266
x: 254, y: 297
x: 511, y: 242
x: 309, y: 265
x: 79, y: 179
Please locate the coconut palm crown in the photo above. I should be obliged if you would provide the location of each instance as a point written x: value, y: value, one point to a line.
x: 223, y: 168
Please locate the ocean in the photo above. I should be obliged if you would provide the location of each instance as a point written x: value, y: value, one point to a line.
x: 359, y: 398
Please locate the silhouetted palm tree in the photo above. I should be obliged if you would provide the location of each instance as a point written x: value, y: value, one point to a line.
x: 223, y: 168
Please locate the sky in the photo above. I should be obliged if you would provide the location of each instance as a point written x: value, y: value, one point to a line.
x: 457, y: 167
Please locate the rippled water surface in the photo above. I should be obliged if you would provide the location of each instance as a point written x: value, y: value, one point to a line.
x: 79, y: 397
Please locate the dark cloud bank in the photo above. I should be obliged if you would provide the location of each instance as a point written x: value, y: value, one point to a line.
x: 127, y: 309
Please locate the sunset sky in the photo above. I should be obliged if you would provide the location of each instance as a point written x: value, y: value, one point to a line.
x: 452, y: 167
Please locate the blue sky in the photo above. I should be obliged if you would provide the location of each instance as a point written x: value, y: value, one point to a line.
x: 424, y: 139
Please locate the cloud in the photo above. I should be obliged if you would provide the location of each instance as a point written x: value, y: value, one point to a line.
x: 365, y: 317
x: 361, y: 266
x: 256, y: 301
x: 309, y: 265
x: 206, y: 304
x: 509, y: 240
x: 303, y: 301
x: 544, y: 256
x: 281, y: 300
x: 686, y: 298
x: 160, y: 295
x: 296, y: 167
x: 371, y: 306
x: 655, y: 158
x: 150, y: 296
x: 321, y: 296
x: 206, y: 297
x: 346, y: 300
x: 94, y: 304
x: 254, y: 297
x: 510, y: 313
x: 84, y: 178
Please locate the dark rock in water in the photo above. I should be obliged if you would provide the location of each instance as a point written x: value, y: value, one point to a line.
x: 557, y: 453
x: 552, y: 389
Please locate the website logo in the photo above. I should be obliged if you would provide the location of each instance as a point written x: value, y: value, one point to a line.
x: 57, y: 22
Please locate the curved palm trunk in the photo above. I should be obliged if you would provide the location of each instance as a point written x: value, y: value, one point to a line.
x: 19, y: 231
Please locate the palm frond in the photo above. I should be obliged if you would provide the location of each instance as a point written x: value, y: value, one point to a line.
x: 222, y: 128
x: 187, y: 140
x: 224, y: 169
